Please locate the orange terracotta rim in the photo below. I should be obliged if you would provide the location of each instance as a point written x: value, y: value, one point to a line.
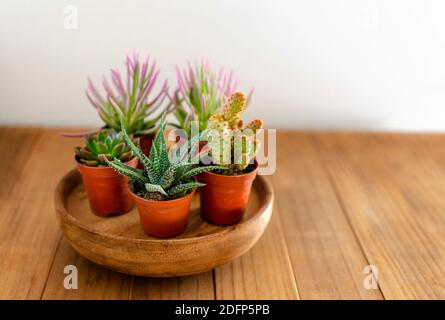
x: 100, y: 167
x: 74, y: 174
x: 238, y: 176
x: 164, y: 203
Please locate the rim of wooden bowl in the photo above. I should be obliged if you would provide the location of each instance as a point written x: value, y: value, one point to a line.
x: 73, y: 174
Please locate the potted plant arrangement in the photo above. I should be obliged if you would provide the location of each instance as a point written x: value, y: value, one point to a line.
x: 164, y: 189
x: 163, y: 185
x: 107, y: 191
x: 134, y: 98
x: 233, y: 146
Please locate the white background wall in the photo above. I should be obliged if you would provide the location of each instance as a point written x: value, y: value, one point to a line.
x: 314, y: 64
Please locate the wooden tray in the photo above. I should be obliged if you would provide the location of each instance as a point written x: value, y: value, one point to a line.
x: 119, y: 243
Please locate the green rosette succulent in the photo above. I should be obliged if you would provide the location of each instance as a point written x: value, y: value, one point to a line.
x: 106, y: 144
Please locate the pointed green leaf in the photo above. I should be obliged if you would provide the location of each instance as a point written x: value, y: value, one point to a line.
x: 101, y: 148
x: 195, y: 171
x: 138, y: 153
x: 118, y: 149
x: 130, y: 172
x: 181, y: 188
x: 155, y: 188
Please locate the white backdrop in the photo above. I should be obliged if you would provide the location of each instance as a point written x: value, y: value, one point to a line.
x: 351, y: 64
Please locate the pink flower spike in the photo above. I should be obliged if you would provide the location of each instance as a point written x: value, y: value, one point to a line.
x: 94, y: 103
x: 187, y: 79
x: 93, y: 90
x: 220, y: 74
x: 180, y: 81
x: 128, y: 74
x: 143, y: 73
x: 153, y: 80
x: 117, y: 81
x: 135, y: 61
x: 162, y: 95
x: 192, y: 74
x: 107, y: 88
x: 156, y: 107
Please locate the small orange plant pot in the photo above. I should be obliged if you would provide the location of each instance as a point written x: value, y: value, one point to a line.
x: 224, y: 198
x: 106, y: 189
x: 164, y: 219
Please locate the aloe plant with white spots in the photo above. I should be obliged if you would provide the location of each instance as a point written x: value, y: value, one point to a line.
x: 164, y: 177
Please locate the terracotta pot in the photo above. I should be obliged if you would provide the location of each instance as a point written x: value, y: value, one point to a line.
x: 164, y: 219
x: 106, y: 189
x: 224, y: 198
x: 145, y: 144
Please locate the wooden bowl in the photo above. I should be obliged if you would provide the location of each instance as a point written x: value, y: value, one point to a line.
x: 119, y: 243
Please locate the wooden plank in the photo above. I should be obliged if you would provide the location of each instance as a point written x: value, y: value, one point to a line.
x: 29, y: 230
x: 16, y: 144
x: 196, y: 287
x: 94, y: 282
x: 326, y: 257
x: 264, y: 272
x: 393, y: 192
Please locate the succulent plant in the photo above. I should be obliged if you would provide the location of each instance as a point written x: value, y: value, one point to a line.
x: 199, y: 94
x: 163, y: 178
x: 231, y: 143
x: 103, y: 145
x: 131, y: 98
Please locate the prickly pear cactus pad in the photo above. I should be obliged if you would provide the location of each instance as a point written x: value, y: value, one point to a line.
x: 232, y: 144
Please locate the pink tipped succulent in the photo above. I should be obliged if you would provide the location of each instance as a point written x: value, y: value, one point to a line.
x: 132, y: 97
x: 199, y: 94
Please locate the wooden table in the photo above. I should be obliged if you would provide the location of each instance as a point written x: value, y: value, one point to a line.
x: 343, y: 201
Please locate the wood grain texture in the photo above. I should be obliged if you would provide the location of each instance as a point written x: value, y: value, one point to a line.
x: 265, y: 272
x: 343, y: 200
x: 394, y: 195
x: 94, y: 282
x: 18, y: 142
x: 119, y: 242
x: 195, y: 287
x: 29, y: 234
x: 326, y: 257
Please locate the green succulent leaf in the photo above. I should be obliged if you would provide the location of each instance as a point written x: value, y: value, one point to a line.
x: 118, y: 149
x: 139, y: 154
x: 195, y: 171
x: 155, y: 188
x: 102, y: 157
x: 161, y: 179
x: 161, y: 148
x: 132, y: 173
x: 182, y: 188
